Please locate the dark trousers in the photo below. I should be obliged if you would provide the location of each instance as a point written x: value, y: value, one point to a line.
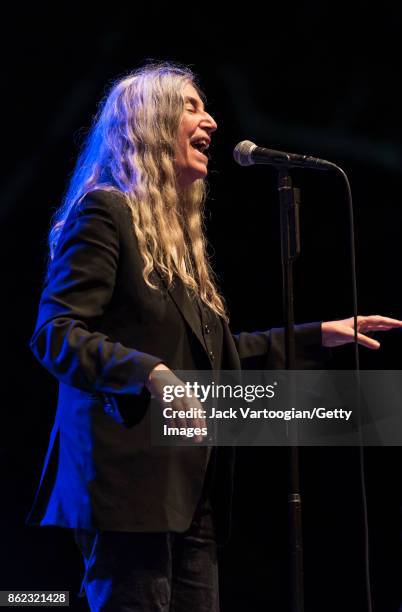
x: 152, y: 572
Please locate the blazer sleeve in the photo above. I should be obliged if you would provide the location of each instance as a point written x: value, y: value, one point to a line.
x: 265, y: 350
x: 78, y: 288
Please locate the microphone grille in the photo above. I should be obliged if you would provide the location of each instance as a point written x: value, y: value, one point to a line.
x: 242, y: 153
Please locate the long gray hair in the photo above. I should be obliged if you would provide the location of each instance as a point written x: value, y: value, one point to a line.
x: 131, y: 148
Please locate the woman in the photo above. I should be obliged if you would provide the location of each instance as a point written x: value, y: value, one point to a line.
x: 129, y: 293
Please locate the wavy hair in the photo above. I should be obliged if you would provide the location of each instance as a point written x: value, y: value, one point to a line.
x: 130, y: 148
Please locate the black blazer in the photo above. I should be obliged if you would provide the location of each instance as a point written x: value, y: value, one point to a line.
x: 100, y: 331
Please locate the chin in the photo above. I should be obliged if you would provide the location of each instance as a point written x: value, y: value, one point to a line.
x: 200, y: 174
x: 196, y: 174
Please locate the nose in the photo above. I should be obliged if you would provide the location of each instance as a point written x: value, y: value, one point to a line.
x: 209, y: 122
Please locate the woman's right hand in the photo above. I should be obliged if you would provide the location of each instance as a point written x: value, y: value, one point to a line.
x: 160, y: 377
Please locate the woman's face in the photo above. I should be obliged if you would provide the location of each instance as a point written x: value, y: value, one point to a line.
x: 193, y: 137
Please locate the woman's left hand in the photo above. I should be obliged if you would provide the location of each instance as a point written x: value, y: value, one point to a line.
x: 336, y: 333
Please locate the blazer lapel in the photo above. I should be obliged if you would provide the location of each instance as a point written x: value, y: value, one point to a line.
x: 188, y: 310
x: 230, y: 356
x: 179, y: 295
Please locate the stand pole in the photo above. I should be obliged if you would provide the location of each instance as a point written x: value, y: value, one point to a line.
x: 289, y: 199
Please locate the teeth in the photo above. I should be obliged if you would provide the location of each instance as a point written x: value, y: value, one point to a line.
x: 201, y: 145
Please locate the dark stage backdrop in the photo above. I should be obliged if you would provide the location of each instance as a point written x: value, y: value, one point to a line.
x: 308, y: 79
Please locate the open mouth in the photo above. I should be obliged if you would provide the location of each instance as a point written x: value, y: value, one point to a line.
x: 200, y: 145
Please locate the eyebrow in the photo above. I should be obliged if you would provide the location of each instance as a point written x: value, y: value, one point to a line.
x: 193, y: 101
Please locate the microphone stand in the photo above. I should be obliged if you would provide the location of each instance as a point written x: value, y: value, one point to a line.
x: 289, y: 200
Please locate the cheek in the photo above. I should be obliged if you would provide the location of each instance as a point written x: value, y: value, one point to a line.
x: 182, y: 144
x: 185, y: 153
x: 179, y: 151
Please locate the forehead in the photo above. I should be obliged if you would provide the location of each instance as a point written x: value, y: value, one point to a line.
x: 191, y: 94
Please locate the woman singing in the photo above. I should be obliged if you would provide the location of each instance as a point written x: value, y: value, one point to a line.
x: 129, y: 292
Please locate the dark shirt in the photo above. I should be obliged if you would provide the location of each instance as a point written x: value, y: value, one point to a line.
x: 211, y: 331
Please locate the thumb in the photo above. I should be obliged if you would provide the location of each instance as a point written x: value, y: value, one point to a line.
x: 368, y: 342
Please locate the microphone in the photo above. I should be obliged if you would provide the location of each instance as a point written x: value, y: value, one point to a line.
x: 246, y: 153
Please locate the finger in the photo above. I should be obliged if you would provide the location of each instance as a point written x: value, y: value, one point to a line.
x: 199, y: 437
x: 201, y: 424
x: 192, y: 403
x: 367, y: 341
x: 201, y: 411
x: 372, y: 328
x: 378, y: 320
x: 179, y: 406
x: 190, y: 406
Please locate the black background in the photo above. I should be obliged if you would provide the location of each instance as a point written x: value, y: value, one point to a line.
x: 318, y: 78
